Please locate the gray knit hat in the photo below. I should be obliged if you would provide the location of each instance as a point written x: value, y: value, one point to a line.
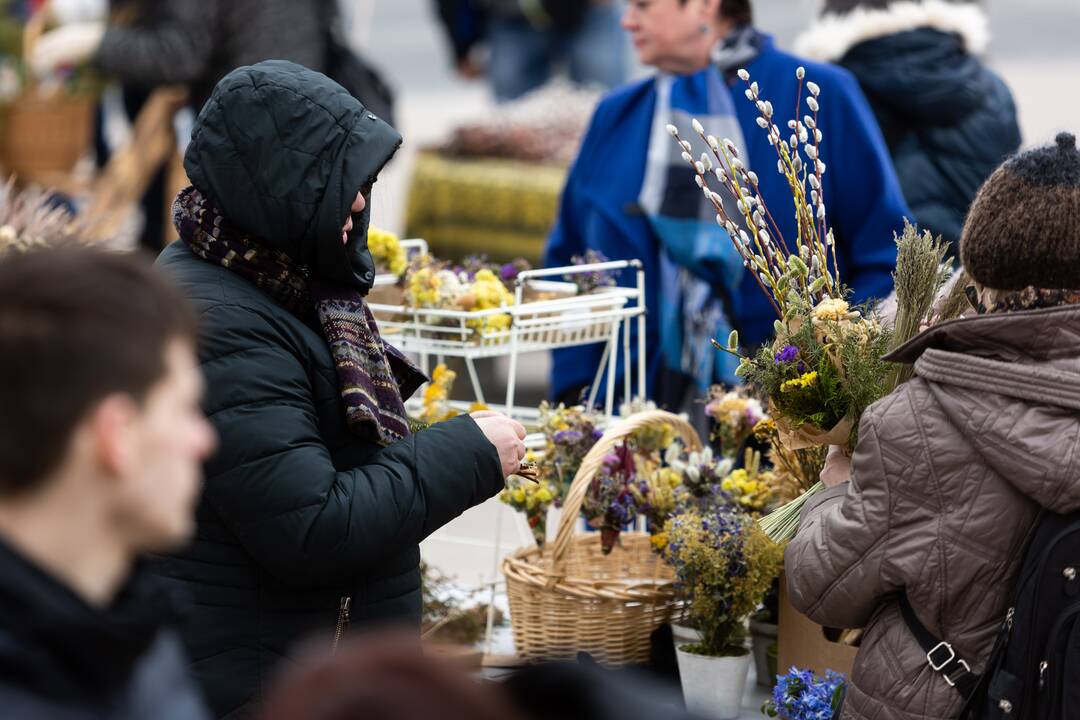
x: 1023, y: 229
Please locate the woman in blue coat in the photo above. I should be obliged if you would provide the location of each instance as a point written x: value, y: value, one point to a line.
x: 630, y: 195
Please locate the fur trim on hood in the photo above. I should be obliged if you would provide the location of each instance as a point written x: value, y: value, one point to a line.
x: 831, y: 36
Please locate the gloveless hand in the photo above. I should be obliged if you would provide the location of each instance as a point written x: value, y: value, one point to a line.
x: 506, y: 434
x: 837, y: 468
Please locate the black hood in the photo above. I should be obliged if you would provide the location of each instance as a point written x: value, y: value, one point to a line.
x: 925, y: 74
x: 282, y: 151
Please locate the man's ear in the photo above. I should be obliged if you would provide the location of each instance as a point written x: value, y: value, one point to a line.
x: 110, y: 430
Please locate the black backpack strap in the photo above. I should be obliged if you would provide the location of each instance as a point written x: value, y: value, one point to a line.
x: 940, y: 655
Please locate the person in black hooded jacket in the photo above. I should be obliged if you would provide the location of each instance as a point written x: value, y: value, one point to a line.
x: 319, y: 495
x: 949, y: 121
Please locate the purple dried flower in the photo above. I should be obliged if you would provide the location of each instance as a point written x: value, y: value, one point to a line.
x: 566, y: 437
x: 789, y: 353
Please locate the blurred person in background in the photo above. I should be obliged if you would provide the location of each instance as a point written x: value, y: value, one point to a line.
x: 100, y: 461
x: 146, y: 44
x: 320, y: 494
x: 948, y: 120
x: 630, y: 194
x: 529, y: 40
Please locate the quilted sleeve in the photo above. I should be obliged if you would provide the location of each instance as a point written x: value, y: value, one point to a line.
x: 274, y: 484
x: 834, y: 563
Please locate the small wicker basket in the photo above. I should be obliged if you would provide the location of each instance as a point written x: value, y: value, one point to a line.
x: 43, y: 136
x: 572, y: 598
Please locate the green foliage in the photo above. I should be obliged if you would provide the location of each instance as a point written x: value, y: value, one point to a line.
x: 823, y: 371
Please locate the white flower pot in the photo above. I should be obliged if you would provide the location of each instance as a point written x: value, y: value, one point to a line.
x: 684, y: 635
x: 713, y: 686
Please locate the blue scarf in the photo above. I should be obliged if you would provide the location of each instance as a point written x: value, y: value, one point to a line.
x: 692, y: 310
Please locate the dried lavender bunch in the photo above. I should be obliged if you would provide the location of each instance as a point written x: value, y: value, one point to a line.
x: 28, y: 219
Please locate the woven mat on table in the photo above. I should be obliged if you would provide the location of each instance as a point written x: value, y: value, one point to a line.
x: 502, y: 208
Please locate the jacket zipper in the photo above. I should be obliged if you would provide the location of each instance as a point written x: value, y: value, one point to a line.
x: 342, y: 622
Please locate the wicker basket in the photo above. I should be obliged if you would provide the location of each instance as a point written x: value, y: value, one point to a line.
x: 41, y: 137
x: 571, y: 597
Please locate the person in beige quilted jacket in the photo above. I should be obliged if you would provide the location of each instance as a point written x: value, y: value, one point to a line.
x: 951, y: 470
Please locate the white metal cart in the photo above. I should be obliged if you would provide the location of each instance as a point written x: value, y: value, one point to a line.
x: 562, y: 318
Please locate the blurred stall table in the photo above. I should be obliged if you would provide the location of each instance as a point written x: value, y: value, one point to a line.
x: 501, y: 208
x: 493, y: 187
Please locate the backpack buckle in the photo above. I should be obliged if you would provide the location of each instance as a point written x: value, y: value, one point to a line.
x: 962, y: 669
x: 938, y: 650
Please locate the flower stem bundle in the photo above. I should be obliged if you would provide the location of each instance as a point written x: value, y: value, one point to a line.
x: 824, y: 366
x: 921, y: 272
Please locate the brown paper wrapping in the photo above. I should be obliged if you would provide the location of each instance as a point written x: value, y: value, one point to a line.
x: 806, y: 436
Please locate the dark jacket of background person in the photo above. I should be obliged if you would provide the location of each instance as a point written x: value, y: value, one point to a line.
x: 198, y: 42
x: 298, y: 512
x: 61, y: 659
x: 948, y: 120
x: 948, y: 477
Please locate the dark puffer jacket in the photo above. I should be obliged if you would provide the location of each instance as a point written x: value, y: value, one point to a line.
x: 298, y: 513
x: 948, y: 120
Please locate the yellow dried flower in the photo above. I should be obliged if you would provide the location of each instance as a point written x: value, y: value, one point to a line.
x: 436, y: 394
x: 386, y: 251
x: 803, y: 381
x: 659, y: 541
x: 833, y: 310
x: 750, y: 490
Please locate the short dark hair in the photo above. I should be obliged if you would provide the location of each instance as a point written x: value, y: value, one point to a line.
x: 739, y: 12
x: 76, y: 324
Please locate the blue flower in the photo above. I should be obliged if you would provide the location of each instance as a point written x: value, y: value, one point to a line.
x: 801, y: 695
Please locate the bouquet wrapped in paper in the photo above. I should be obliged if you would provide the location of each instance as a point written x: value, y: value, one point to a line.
x: 824, y: 365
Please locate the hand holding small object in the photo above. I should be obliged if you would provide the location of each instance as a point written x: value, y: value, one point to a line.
x: 507, y: 435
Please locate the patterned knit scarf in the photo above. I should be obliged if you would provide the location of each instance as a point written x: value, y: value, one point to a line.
x: 374, y: 377
x: 692, y: 312
x: 1030, y: 298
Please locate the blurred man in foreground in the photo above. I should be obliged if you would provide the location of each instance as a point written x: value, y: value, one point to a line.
x: 100, y: 458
